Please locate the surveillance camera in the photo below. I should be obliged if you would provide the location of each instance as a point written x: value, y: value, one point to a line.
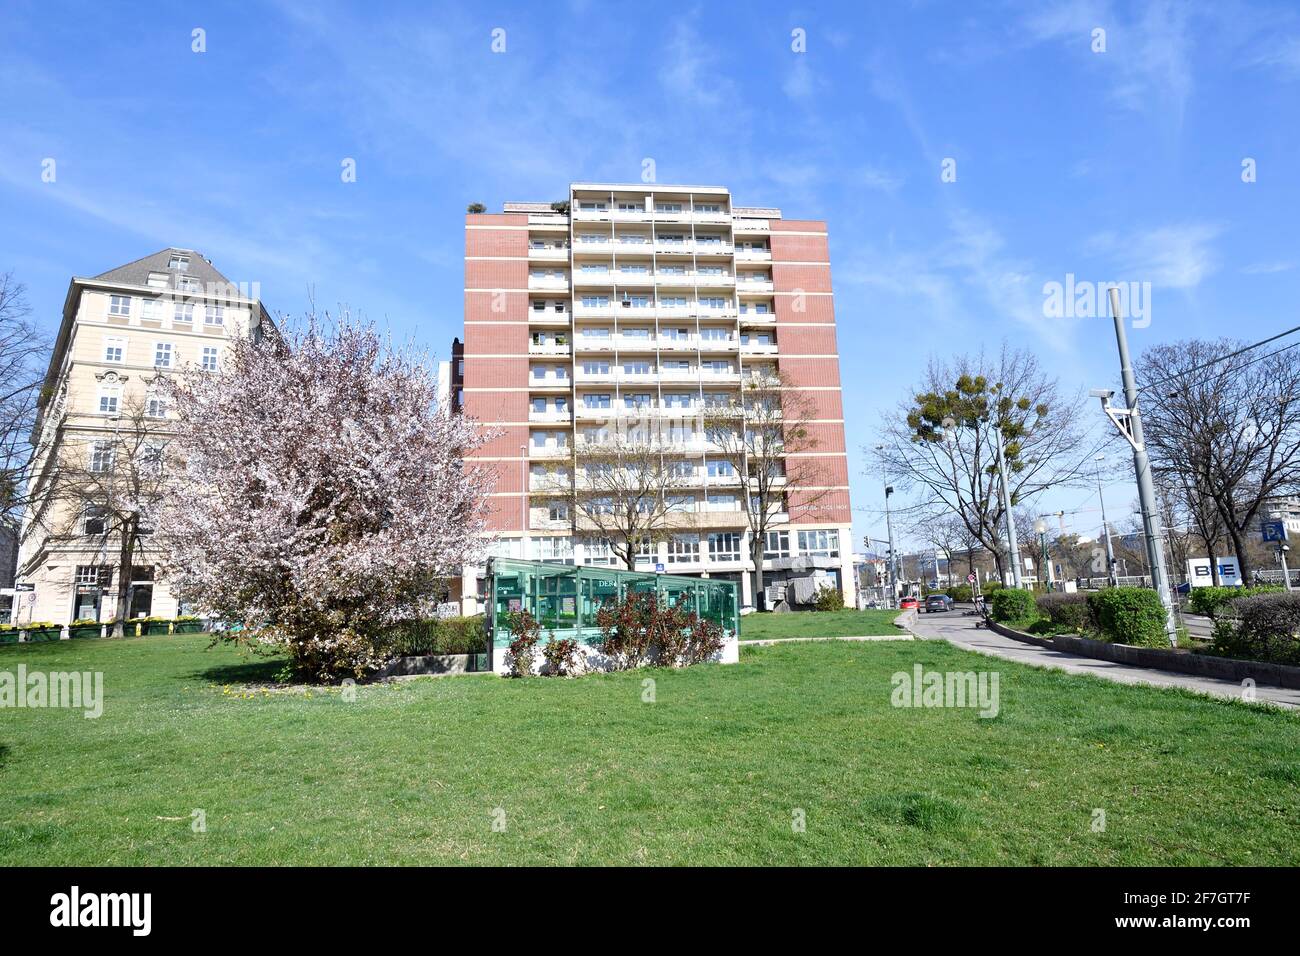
x: 1102, y: 393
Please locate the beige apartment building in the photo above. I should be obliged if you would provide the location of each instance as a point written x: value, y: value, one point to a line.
x: 122, y: 333
x: 634, y: 300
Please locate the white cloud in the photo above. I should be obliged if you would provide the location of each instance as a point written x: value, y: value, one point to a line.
x: 1172, y: 257
x: 1267, y: 268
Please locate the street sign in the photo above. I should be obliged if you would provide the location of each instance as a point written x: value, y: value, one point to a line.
x: 25, y: 586
x: 1273, y: 530
x: 659, y: 569
x: 970, y: 578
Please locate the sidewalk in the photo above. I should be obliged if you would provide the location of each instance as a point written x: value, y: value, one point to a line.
x: 961, y: 630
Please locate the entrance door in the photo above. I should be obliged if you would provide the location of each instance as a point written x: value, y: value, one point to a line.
x: 141, y: 600
x: 86, y: 604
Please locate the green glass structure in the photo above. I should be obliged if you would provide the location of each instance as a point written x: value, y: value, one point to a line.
x: 564, y: 598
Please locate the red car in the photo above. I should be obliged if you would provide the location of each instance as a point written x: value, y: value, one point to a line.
x: 908, y: 603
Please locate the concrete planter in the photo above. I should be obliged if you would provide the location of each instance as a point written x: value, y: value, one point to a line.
x: 427, y: 665
x: 79, y: 631
x: 1162, y: 659
x: 41, y: 634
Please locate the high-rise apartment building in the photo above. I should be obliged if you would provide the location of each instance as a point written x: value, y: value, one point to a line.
x: 634, y: 300
x: 104, y: 420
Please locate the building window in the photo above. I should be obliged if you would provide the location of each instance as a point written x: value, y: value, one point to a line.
x: 824, y: 544
x: 597, y: 551
x: 179, y: 263
x: 684, y: 549
x: 101, y: 456
x: 209, y: 359
x: 595, y: 401
x: 555, y: 549
x: 720, y: 468
x: 157, y: 280
x: 152, y: 309
x: 151, y: 457
x: 214, y: 315
x: 183, y: 312
x: 119, y: 305
x: 115, y: 350
x: 558, y: 511
x: 724, y: 546
x: 777, y: 545
x: 155, y: 407
x: 95, y: 575
x: 109, y: 396
x: 94, y: 520
x: 162, y: 355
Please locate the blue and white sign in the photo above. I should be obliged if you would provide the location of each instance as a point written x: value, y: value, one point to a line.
x: 659, y: 569
x: 1273, y: 530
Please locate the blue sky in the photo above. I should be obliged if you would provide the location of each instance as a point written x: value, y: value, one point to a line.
x: 1117, y: 165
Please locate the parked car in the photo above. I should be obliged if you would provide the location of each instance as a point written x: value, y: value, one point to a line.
x: 908, y: 603
x: 938, y: 602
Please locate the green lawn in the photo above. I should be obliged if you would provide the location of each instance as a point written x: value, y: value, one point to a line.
x: 760, y: 627
x: 584, y: 771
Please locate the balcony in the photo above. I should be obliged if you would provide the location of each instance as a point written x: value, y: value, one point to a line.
x: 589, y: 280
x: 745, y: 286
x: 753, y: 255
x: 717, y: 345
x: 549, y: 452
x: 548, y: 283
x: 758, y: 348
x: 590, y: 413
x: 549, y: 348
x: 757, y: 318
x: 585, y: 343
x: 549, y: 417
x: 548, y: 254
x: 549, y: 384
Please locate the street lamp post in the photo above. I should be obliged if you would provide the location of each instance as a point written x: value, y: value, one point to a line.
x: 1282, y: 549
x: 1129, y: 422
x: 1040, y: 526
x: 1012, y: 545
x: 1105, y: 528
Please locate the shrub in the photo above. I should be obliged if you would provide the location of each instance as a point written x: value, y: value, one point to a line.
x: 643, y: 628
x: 1208, y: 601
x: 828, y: 599
x: 960, y: 593
x: 1262, y: 627
x: 525, y: 632
x: 1129, y: 616
x: 1066, y: 611
x: 451, y: 635
x: 561, y: 656
x: 1011, y: 604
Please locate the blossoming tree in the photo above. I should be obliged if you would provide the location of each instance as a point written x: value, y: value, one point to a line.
x: 326, y: 495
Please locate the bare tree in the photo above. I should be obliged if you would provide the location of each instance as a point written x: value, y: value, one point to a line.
x: 941, y: 444
x: 106, y: 489
x: 763, y: 433
x: 23, y: 354
x: 623, y: 487
x: 1224, y: 426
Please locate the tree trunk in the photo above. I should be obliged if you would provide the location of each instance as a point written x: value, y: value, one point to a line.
x: 1244, y: 567
x: 756, y: 555
x: 124, y: 552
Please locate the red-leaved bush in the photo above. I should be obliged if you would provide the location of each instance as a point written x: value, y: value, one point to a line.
x: 645, y: 629
x: 522, y: 652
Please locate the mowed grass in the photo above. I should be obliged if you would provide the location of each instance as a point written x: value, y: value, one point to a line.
x: 766, y: 626
x: 714, y: 771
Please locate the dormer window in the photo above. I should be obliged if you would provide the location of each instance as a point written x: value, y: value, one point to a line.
x: 179, y: 263
x: 158, y: 280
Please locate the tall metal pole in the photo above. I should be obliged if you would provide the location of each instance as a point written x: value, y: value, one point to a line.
x: 1146, y: 488
x: 1012, y: 545
x: 893, y: 552
x: 1105, y: 531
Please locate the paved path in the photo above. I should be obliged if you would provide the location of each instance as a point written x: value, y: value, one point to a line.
x: 958, y: 629
x: 900, y: 636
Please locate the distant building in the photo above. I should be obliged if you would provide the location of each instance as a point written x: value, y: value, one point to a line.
x: 123, y: 331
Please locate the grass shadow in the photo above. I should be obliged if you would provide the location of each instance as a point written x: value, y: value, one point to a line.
x: 247, y: 672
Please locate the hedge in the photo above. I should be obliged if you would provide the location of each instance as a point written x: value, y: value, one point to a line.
x: 1262, y: 627
x: 1129, y: 616
x: 1011, y: 604
x: 960, y: 593
x: 451, y: 635
x: 1207, y: 601
x: 1068, y: 612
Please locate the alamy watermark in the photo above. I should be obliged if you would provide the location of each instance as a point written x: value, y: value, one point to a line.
x: 1075, y: 299
x: 70, y: 690
x: 922, y: 688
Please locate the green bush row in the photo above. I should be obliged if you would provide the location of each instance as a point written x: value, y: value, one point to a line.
x: 1208, y: 601
x: 1129, y: 616
x: 1067, y: 612
x: 1011, y: 604
x: 1261, y: 627
x: 451, y: 635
